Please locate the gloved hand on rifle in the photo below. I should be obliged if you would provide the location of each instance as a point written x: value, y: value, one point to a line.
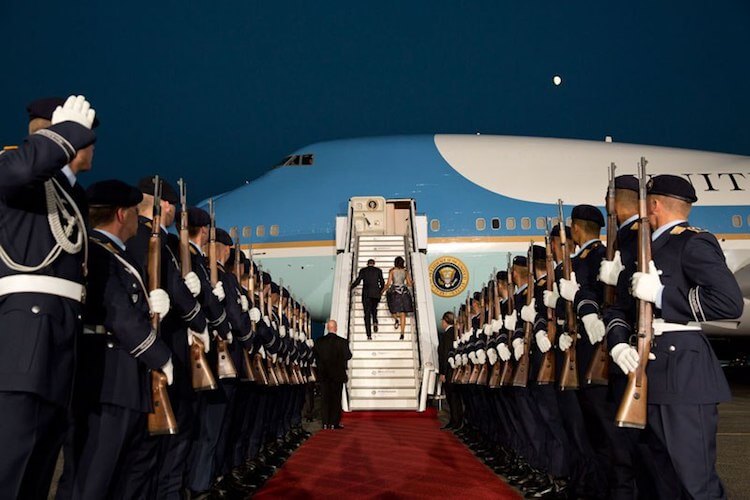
x: 282, y: 331
x: 497, y: 325
x: 464, y: 359
x: 594, y: 327
x: 518, y: 348
x: 551, y: 297
x: 487, y: 329
x: 244, y: 303
x: 569, y: 288
x: 510, y: 322
x: 503, y: 352
x: 452, y: 362
x: 542, y: 341
x: 565, y: 342
x: 625, y: 356
x: 310, y: 343
x: 168, y: 370
x: 230, y: 338
x: 609, y: 270
x: 75, y: 109
x: 647, y: 286
x: 193, y: 283
x: 159, y: 301
x: 481, y: 356
x: 473, y: 357
x: 492, y: 355
x: 219, y: 291
x: 267, y: 321
x: 254, y: 314
x: 528, y: 312
x: 202, y: 336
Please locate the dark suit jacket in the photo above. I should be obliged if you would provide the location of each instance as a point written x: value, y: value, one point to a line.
x: 332, y: 353
x: 372, y: 282
x: 445, y: 344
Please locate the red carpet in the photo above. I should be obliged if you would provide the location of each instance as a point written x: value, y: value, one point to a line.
x: 385, y: 456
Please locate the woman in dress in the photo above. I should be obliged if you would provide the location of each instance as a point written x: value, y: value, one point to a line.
x: 398, y: 295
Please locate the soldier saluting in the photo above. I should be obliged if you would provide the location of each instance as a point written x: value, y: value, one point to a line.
x: 42, y: 269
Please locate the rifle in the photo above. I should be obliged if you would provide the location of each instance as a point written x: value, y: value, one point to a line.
x: 466, y: 376
x: 484, y: 370
x: 546, y: 373
x: 521, y: 375
x: 162, y: 419
x: 457, y: 329
x: 494, y: 381
x: 237, y: 270
x: 308, y: 323
x: 201, y: 374
x: 476, y: 369
x: 225, y: 364
x: 507, y: 371
x: 279, y: 366
x: 598, y: 370
x: 569, y: 374
x: 256, y: 367
x: 632, y: 410
x: 272, y: 379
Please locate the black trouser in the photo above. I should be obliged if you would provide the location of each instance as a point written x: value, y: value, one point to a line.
x: 455, y: 405
x: 331, y: 404
x: 371, y: 311
x: 32, y: 431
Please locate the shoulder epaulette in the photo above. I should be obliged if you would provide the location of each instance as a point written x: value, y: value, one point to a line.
x: 542, y: 282
x: 584, y: 253
x: 682, y: 229
x: 634, y: 227
x: 9, y: 148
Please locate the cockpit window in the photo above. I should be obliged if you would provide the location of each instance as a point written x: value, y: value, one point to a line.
x: 297, y: 161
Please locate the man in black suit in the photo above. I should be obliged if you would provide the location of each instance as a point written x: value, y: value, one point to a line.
x: 332, y: 352
x: 445, y: 344
x: 372, y: 289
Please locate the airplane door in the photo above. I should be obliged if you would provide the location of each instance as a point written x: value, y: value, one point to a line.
x: 397, y: 217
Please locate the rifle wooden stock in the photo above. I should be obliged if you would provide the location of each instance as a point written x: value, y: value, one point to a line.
x: 521, y: 375
x: 506, y: 374
x: 202, y: 376
x: 597, y: 372
x: 259, y: 371
x: 495, y: 372
x: 546, y: 374
x: 569, y: 372
x: 483, y: 374
x: 474, y: 374
x: 161, y: 420
x: 633, y: 407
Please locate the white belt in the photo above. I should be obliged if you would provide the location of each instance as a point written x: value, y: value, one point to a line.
x: 35, y: 283
x: 661, y: 326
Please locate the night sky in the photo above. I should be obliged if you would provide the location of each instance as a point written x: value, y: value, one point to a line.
x: 219, y: 91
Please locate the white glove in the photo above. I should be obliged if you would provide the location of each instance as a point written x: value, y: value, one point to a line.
x: 464, y: 359
x: 455, y: 344
x: 159, y: 301
x: 310, y: 343
x: 244, y: 303
x: 528, y: 312
x: 594, y: 327
x: 230, y: 338
x: 274, y: 357
x: 487, y: 329
x: 551, y: 297
x: 646, y: 286
x: 219, y: 291
x: 510, y: 322
x: 609, y: 270
x: 202, y: 336
x: 492, y: 355
x: 262, y: 352
x: 254, y: 314
x: 267, y: 321
x: 565, y: 342
x: 473, y: 357
x: 626, y: 357
x: 452, y: 362
x: 168, y: 370
x: 481, y: 356
x: 503, y: 352
x: 569, y: 288
x: 193, y: 283
x: 75, y: 109
x: 542, y: 341
x: 282, y: 331
x: 497, y: 324
x: 518, y: 348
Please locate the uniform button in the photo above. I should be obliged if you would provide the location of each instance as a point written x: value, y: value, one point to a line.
x: 79, y: 316
x: 110, y: 345
x: 35, y: 309
x: 672, y: 348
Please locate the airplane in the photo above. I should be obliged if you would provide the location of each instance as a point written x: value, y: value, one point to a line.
x: 481, y: 195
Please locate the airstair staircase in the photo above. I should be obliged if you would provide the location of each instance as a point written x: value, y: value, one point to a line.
x: 385, y: 373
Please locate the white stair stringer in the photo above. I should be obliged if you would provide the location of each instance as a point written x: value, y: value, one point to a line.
x: 384, y: 372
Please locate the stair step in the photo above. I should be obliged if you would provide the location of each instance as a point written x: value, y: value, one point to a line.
x: 390, y: 354
x: 382, y: 372
x: 379, y: 237
x: 386, y: 324
x: 380, y: 345
x: 380, y: 393
x: 383, y: 404
x: 361, y: 336
x: 385, y: 383
x: 381, y: 363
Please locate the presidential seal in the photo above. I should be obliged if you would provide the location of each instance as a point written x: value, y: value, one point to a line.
x: 449, y: 276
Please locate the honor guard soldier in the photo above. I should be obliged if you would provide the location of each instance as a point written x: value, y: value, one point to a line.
x: 119, y: 346
x: 689, y: 283
x: 42, y: 269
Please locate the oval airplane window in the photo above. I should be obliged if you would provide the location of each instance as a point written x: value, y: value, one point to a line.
x: 541, y: 223
x: 525, y: 223
x: 737, y: 220
x: 233, y: 232
x: 260, y: 231
x: 495, y: 223
x: 435, y: 225
x: 274, y: 230
x: 481, y: 224
x: 510, y: 223
x: 247, y: 232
